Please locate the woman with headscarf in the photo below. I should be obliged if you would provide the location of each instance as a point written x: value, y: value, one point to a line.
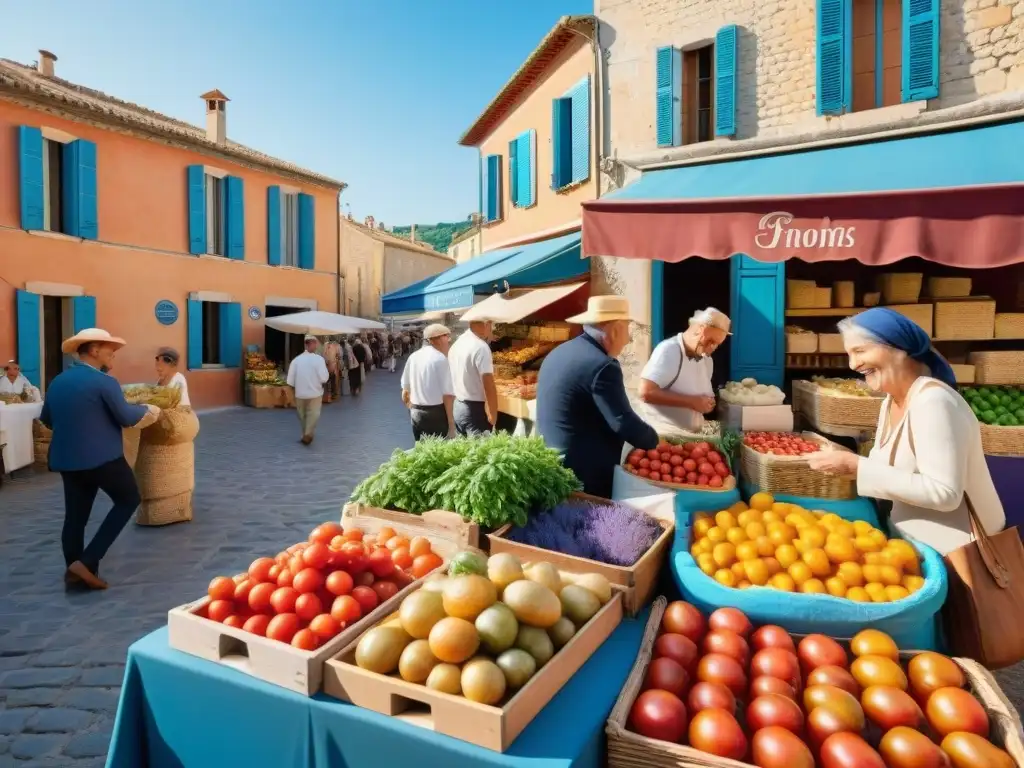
x: 927, y: 457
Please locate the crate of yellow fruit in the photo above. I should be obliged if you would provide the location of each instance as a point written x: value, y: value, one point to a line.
x: 810, y: 571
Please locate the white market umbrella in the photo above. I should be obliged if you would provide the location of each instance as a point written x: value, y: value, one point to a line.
x: 322, y: 323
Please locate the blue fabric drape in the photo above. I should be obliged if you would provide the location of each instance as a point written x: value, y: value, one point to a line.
x: 903, y: 333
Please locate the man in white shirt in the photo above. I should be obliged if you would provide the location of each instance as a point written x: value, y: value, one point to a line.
x: 13, y: 382
x: 427, y: 385
x: 476, y: 397
x: 307, y: 375
x: 676, y: 382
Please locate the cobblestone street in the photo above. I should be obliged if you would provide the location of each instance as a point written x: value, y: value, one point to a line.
x: 257, y: 489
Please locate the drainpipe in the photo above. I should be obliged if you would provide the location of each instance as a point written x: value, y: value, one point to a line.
x: 337, y: 279
x: 599, y: 137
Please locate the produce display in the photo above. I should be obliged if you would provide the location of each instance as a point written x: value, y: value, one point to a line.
x: 522, y: 355
x: 791, y: 549
x: 150, y: 394
x: 774, y: 701
x: 616, y: 534
x: 259, y: 370
x: 996, y: 406
x: 311, y: 591
x: 854, y: 387
x: 780, y: 443
x: 491, y: 480
x: 749, y: 392
x: 485, y: 629
x: 704, y: 462
x: 9, y: 398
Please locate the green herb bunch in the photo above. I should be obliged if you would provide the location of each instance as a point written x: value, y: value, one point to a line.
x: 401, y: 482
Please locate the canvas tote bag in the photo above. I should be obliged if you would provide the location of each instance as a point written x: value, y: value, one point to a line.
x: 983, y: 617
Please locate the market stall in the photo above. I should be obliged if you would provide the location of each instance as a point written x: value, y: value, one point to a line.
x: 265, y: 384
x: 16, y: 433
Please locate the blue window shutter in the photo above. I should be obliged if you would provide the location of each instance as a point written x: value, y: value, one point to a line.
x: 231, y: 335
x: 83, y: 310
x: 831, y: 56
x: 485, y: 186
x: 561, y: 142
x: 492, y: 189
x: 920, y: 49
x: 30, y: 178
x: 669, y: 94
x: 82, y: 204
x: 274, y: 226
x: 194, y: 355
x: 580, y: 98
x: 29, y: 352
x: 196, y: 209
x: 235, y: 210
x: 757, y: 347
x: 725, y: 80
x: 530, y: 144
x: 307, y: 231
x: 513, y: 171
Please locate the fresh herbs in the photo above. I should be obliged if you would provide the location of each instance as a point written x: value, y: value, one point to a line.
x: 615, y: 534
x: 490, y: 480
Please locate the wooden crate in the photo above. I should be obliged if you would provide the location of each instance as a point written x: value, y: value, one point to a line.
x: 831, y: 344
x: 491, y: 727
x: 514, y: 406
x: 446, y: 530
x: 899, y: 287
x: 994, y: 367
x: 801, y: 343
x: 963, y: 372
x: 269, y: 396
x: 968, y: 319
x: 919, y: 313
x: 1002, y: 441
x: 949, y: 287
x: 801, y: 294
x: 639, y: 581
x: 1009, y: 325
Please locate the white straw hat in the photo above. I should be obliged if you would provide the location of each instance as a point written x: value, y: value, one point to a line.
x: 96, y: 335
x: 602, y: 309
x: 435, y: 330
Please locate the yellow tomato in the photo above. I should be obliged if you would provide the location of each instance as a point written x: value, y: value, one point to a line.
x: 739, y: 506
x: 862, y: 528
x: 706, y: 545
x: 876, y: 591
x: 890, y: 576
x: 736, y: 535
x: 724, y: 554
x: 913, y: 567
x: 781, y: 533
x: 783, y: 582
x: 755, y: 530
x: 903, y: 546
x: 800, y: 572
x: 913, y: 583
x: 707, y: 563
x: 872, y: 558
x: 738, y: 570
x: 814, y: 535
x: 872, y: 573
x: 771, y: 517
x: 818, y: 562
x: 813, y: 587
x: 743, y: 584
x: 891, y: 557
x: 702, y: 526
x: 716, y: 534
x: 880, y: 538
x: 725, y: 577
x: 830, y: 519
x: 781, y: 507
x: 840, y: 549
x: 746, y: 550
x: 765, y: 548
x: 858, y: 595
x: 725, y: 520
x: 836, y: 586
x: 761, y: 501
x: 795, y: 519
x: 894, y: 593
x: 844, y: 528
x: 757, y: 572
x: 787, y: 555
x: 866, y: 544
x: 774, y: 566
x: 802, y: 546
x: 695, y: 550
x: 851, y: 574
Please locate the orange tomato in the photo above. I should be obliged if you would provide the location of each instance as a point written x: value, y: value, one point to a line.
x: 221, y: 588
x: 305, y: 640
x: 419, y: 545
x: 283, y: 600
x: 260, y: 569
x: 353, y: 534
x: 396, y: 542
x: 283, y: 627
x: 284, y: 578
x: 259, y: 597
x: 386, y: 532
x: 325, y: 626
x: 339, y: 583
x: 402, y: 558
x: 257, y: 624
x: 235, y: 621
x: 316, y: 555
x: 424, y: 564
x: 308, y: 606
x: 346, y: 610
x: 324, y: 532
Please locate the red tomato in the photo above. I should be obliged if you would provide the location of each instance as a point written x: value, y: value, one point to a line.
x: 774, y: 709
x: 655, y: 476
x: 722, y: 470
x: 729, y: 643
x: 339, y: 583
x: 643, y: 472
x: 776, y: 662
x: 659, y: 715
x: 296, y: 563
x: 691, y: 477
x: 771, y: 636
x: 710, y: 696
x: 325, y: 626
x: 689, y: 465
x: 366, y: 598
x: 764, y: 685
x: 346, y: 610
x: 308, y: 606
x: 731, y: 619
x: 667, y: 674
x: 221, y: 588
x: 364, y: 579
x: 724, y: 670
x: 819, y: 651
x: 260, y: 569
x: 715, y: 481
x: 316, y: 555
x: 385, y: 589
x: 308, y: 580
x: 656, y: 465
x: 644, y: 463
x: 652, y: 455
x: 284, y: 578
x: 954, y: 709
x: 257, y: 624
x: 259, y: 597
x: 675, y: 461
x: 775, y: 747
x: 705, y: 468
x: 283, y: 600
x: 890, y: 707
x: 678, y: 473
x: 305, y: 640
x: 848, y: 750
x: 678, y: 647
x: 242, y: 590
x: 235, y: 621
x: 836, y: 677
x: 325, y: 532
x: 283, y: 627
x: 665, y: 457
x: 381, y: 564
x: 355, y: 557
x: 716, y: 732
x: 682, y: 618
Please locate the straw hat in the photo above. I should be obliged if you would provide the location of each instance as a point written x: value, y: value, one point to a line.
x: 602, y: 309
x: 98, y: 335
x: 434, y: 330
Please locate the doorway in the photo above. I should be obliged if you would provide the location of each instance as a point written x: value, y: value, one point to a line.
x: 279, y: 346
x: 692, y: 285
x: 58, y: 324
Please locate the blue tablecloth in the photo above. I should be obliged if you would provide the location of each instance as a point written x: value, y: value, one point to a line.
x: 178, y: 711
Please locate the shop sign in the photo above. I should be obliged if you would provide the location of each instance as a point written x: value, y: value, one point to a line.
x: 255, y: 313
x: 166, y: 312
x: 775, y: 230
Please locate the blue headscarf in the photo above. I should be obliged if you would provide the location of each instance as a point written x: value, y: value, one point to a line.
x: 903, y: 333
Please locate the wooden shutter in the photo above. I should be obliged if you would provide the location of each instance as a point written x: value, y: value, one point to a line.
x: 668, y: 96
x: 29, y: 352
x: 757, y: 347
x: 83, y: 310
x: 274, y: 226
x: 561, y: 142
x: 307, y: 231
x: 196, y: 211
x: 513, y: 171
x: 920, y: 50
x: 30, y: 178
x: 78, y: 193
x: 725, y: 81
x: 831, y: 56
x: 530, y: 143
x: 194, y: 354
x: 234, y: 211
x: 231, y: 334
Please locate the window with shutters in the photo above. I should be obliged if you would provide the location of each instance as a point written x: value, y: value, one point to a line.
x: 211, y: 333
x: 570, y: 140
x: 290, y: 229
x: 522, y: 178
x: 698, y: 95
x: 216, y: 218
x: 53, y: 188
x: 877, y: 54
x: 491, y: 188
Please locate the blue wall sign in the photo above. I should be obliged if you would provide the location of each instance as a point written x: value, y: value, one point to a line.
x: 166, y: 312
x: 255, y: 313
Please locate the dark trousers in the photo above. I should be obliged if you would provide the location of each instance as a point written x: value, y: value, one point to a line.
x: 470, y: 417
x: 115, y: 478
x: 428, y: 420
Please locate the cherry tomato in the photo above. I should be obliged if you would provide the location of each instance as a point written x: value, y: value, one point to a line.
x: 259, y: 597
x: 402, y: 558
x: 257, y: 624
x: 282, y: 600
x: 221, y: 588
x: 242, y: 590
x: 385, y: 589
x: 283, y: 627
x: 325, y: 532
x: 316, y: 555
x: 339, y: 583
x: 353, y: 534
x: 284, y: 578
x: 306, y: 640
x: 308, y: 606
x: 235, y: 621
x: 366, y: 598
x: 308, y: 580
x: 325, y: 626
x: 260, y: 569
x: 346, y: 610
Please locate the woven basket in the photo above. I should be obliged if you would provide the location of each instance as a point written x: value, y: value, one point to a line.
x: 969, y: 320
x: 166, y: 478
x: 801, y: 294
x: 872, y: 299
x: 997, y: 367
x: 922, y: 314
x: 824, y: 408
x: 964, y: 373
x: 1002, y: 441
x: 801, y: 343
x: 792, y: 476
x: 842, y: 293
x: 1009, y: 325
x: 175, y: 425
x: 949, y: 287
x: 40, y: 430
x: 831, y: 344
x: 900, y: 287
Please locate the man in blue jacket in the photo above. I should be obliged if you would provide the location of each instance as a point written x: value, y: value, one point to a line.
x: 86, y: 410
x: 582, y: 408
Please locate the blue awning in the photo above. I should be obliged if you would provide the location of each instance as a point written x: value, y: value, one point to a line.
x: 548, y: 261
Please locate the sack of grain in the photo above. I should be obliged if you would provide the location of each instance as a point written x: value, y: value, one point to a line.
x: 130, y: 439
x: 175, y: 425
x: 166, y: 478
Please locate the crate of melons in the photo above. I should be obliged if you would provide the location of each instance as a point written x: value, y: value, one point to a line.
x: 717, y: 691
x: 811, y: 570
x: 484, y: 648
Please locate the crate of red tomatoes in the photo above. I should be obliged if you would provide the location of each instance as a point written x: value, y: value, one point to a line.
x: 716, y: 692
x: 283, y: 617
x: 776, y: 462
x: 704, y: 462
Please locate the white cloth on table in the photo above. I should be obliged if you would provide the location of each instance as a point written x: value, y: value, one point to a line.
x: 470, y: 360
x: 427, y: 377
x: 16, y: 387
x: 307, y: 375
x: 16, y: 432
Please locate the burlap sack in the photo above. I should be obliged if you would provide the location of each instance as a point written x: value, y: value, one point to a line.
x: 175, y: 426
x: 166, y: 478
x: 130, y: 438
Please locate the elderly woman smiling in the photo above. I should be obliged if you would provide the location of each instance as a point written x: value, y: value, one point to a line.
x: 927, y: 455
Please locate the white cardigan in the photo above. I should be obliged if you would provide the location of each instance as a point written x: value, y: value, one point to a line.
x: 927, y: 482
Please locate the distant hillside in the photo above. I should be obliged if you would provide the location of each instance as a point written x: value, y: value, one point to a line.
x: 437, y: 236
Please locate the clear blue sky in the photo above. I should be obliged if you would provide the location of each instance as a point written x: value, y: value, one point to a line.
x: 373, y: 92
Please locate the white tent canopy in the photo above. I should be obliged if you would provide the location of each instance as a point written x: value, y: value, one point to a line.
x: 322, y: 323
x: 510, y: 309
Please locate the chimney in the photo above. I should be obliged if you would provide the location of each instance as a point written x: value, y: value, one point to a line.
x: 216, y: 117
x: 412, y: 233
x: 46, y: 60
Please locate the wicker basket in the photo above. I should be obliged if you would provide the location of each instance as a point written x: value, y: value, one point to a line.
x: 843, y: 293
x: 872, y: 299
x: 900, y: 287
x: 1002, y: 441
x: 507, y: 371
x: 964, y: 373
x: 801, y: 343
x: 824, y: 408
x: 831, y: 344
x: 949, y: 287
x: 997, y: 367
x: 1009, y: 325
x: 969, y: 319
x: 792, y: 476
x: 919, y: 313
x: 801, y: 294
x: 823, y: 297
